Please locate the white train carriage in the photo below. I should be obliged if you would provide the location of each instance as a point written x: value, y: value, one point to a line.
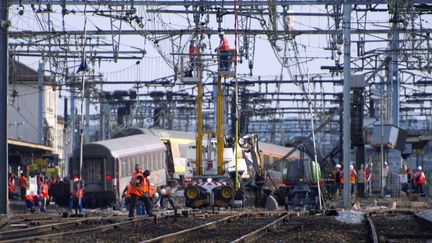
x: 108, y: 166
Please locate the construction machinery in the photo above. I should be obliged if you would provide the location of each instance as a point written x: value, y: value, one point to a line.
x: 297, y: 186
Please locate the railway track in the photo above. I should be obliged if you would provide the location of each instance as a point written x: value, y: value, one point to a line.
x: 241, y: 227
x: 316, y: 228
x: 63, y: 229
x: 398, y: 226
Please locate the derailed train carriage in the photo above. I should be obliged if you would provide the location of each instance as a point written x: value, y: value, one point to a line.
x: 108, y: 166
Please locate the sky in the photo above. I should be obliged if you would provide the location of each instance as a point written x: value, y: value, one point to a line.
x: 152, y: 66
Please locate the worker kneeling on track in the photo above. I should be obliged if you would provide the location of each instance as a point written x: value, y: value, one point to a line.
x: 32, y: 202
x: 139, y: 190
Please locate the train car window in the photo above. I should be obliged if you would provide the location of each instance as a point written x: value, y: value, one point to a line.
x: 146, y: 166
x: 183, y: 150
x: 128, y: 167
x: 121, y: 166
x: 151, y: 164
x: 141, y: 160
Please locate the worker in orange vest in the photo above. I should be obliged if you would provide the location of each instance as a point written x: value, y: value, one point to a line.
x: 224, y: 53
x: 353, y: 178
x: 11, y: 186
x: 193, y: 53
x: 139, y: 190
x: 32, y: 202
x: 23, y: 185
x: 420, y: 180
x: 77, y: 194
x: 43, y: 195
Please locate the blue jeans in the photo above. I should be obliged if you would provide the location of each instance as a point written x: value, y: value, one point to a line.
x: 73, y: 204
x: 30, y: 204
x: 224, y: 62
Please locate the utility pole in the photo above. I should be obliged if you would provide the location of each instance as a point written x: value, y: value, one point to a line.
x: 41, y: 89
x: 199, y: 136
x: 219, y: 127
x: 347, y: 8
x: 4, y: 75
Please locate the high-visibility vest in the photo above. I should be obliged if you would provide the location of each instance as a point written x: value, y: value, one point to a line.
x: 30, y: 198
x: 146, y: 185
x: 352, y: 177
x: 78, y: 192
x: 420, y: 178
x: 193, y: 51
x: 11, y: 185
x: 224, y: 45
x: 137, y: 189
x: 44, y: 191
x: 23, y: 181
x: 128, y: 188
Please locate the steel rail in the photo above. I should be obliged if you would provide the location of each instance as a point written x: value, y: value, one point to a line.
x: 257, y: 234
x: 32, y: 234
x: 184, y: 234
x: 13, y: 234
x: 374, y: 236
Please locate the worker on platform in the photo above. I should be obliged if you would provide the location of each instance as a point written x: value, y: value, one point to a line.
x: 420, y: 180
x: 76, y: 199
x: 353, y: 178
x: 11, y: 186
x: 23, y: 185
x: 224, y: 53
x: 43, y: 195
x: 32, y: 202
x: 337, y: 186
x: 193, y: 53
x: 139, y: 190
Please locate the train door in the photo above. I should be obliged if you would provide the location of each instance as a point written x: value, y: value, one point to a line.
x: 93, y: 174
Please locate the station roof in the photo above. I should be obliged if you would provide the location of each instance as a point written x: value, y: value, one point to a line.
x: 28, y: 147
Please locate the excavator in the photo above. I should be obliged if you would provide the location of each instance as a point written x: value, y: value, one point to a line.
x: 259, y: 183
x: 297, y: 187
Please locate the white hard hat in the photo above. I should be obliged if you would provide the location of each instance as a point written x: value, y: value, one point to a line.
x: 338, y: 166
x: 351, y: 167
x: 163, y: 191
x: 419, y: 168
x: 209, y: 180
x: 221, y: 33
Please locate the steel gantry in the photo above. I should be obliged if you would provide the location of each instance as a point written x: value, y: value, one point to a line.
x: 401, y: 62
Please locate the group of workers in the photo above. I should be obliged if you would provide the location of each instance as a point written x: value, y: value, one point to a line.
x: 409, y: 180
x: 34, y: 201
x: 39, y: 199
x: 140, y: 190
x: 224, y: 53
